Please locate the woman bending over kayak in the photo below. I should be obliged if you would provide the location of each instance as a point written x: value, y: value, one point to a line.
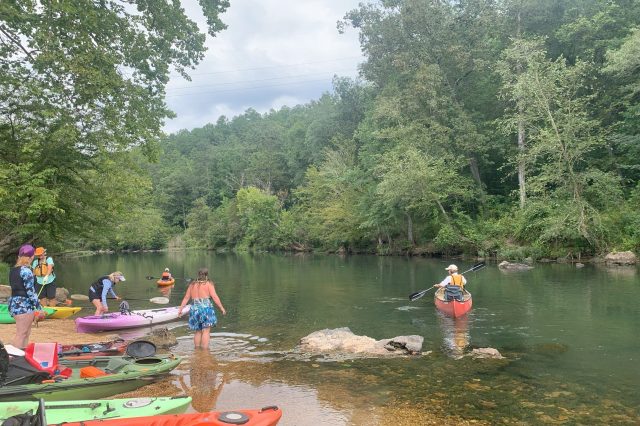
x: 202, y: 316
x: 99, y: 289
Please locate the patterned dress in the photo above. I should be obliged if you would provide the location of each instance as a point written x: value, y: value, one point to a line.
x: 19, y: 305
x: 202, y: 315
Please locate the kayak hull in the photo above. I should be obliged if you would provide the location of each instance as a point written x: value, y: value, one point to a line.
x: 84, y: 410
x: 268, y: 416
x: 125, y: 374
x: 118, y: 321
x: 64, y: 311
x: 6, y: 318
x: 453, y: 308
x: 166, y: 282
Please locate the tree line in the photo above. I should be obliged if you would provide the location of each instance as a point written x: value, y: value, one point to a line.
x: 483, y: 127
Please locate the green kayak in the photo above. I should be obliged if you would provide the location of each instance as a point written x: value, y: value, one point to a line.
x: 124, y: 374
x: 6, y: 318
x: 84, y: 410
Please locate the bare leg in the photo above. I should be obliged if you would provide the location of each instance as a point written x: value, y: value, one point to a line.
x: 98, y: 304
x: 197, y: 338
x: 204, y: 342
x: 23, y: 329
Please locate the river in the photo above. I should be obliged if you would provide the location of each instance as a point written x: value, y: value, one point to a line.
x: 569, y: 336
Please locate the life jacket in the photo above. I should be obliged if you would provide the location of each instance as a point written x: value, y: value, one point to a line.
x: 41, y: 269
x: 456, y: 279
x: 16, y: 282
x: 98, y: 286
x: 166, y: 276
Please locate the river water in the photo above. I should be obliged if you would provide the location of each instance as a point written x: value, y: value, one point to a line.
x: 569, y: 336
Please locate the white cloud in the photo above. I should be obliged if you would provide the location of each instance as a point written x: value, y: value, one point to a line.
x: 273, y: 53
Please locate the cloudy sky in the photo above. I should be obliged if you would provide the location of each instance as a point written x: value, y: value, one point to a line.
x: 273, y: 53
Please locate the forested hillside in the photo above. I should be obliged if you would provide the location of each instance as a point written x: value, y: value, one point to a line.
x: 485, y: 127
x: 490, y: 127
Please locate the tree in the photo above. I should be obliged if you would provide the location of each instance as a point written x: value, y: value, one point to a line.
x: 80, y: 82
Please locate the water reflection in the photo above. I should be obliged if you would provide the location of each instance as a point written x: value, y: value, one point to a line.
x: 205, y: 381
x: 455, y: 332
x: 165, y: 290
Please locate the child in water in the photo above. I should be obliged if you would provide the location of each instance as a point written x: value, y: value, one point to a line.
x: 202, y: 316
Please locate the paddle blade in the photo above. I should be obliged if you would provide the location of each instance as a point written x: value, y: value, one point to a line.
x: 417, y: 295
x: 79, y: 297
x: 150, y: 277
x: 159, y: 300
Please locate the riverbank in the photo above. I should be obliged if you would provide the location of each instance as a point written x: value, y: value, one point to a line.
x: 61, y: 331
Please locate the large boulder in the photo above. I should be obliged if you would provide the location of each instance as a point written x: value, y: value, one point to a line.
x: 621, y: 258
x: 62, y: 294
x: 343, y: 341
x: 508, y: 266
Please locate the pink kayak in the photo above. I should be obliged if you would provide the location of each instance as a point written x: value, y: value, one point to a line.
x: 118, y: 321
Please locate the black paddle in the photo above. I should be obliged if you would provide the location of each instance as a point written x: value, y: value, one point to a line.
x: 417, y: 295
x: 149, y: 277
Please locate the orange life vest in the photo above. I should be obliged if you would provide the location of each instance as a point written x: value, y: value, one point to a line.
x: 456, y: 279
x: 41, y: 269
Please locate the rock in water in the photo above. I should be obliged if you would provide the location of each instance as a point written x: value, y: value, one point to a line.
x: 514, y: 266
x: 621, y: 258
x: 161, y: 337
x: 483, y: 353
x: 343, y: 341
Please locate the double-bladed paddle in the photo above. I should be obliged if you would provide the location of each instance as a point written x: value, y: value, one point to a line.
x: 149, y: 277
x: 417, y: 295
x: 158, y: 300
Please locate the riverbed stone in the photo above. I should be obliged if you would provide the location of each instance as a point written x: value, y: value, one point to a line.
x: 509, y: 266
x: 621, y: 258
x: 485, y: 353
x: 344, y: 341
x: 161, y: 337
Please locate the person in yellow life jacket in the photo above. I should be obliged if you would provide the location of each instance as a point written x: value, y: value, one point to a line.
x: 166, y: 275
x: 45, y: 285
x: 453, y: 284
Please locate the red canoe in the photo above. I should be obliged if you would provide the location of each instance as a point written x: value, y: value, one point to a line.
x: 268, y: 416
x: 453, y: 308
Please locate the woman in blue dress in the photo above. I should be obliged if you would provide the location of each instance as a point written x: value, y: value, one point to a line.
x: 23, y: 302
x: 201, y: 315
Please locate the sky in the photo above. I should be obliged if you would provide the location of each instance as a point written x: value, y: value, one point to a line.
x: 273, y: 53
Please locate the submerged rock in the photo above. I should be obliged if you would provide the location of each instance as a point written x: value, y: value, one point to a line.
x: 485, y: 353
x: 514, y: 266
x: 621, y: 258
x: 343, y: 341
x: 161, y: 337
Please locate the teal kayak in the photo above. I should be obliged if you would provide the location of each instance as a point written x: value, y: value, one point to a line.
x: 6, y: 318
x: 123, y: 374
x: 84, y: 410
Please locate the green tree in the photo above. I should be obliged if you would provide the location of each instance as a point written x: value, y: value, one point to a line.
x: 82, y: 81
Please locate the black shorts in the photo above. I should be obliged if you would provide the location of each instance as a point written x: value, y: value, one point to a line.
x: 93, y: 295
x: 49, y: 291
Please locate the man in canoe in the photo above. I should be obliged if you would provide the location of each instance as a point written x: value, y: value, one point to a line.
x: 99, y: 289
x: 453, y: 284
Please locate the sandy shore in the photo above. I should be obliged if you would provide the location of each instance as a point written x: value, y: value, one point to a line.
x: 55, y: 330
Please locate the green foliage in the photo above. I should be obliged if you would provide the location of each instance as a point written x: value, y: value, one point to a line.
x: 82, y: 86
x: 259, y: 215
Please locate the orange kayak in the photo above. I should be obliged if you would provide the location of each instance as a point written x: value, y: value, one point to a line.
x: 166, y: 282
x: 267, y: 416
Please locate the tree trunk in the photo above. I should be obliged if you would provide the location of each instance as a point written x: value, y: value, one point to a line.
x: 475, y: 171
x: 410, y: 229
x: 521, y: 143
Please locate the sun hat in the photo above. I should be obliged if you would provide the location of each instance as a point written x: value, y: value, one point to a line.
x: 40, y: 251
x: 166, y: 269
x: 26, y: 250
x: 451, y: 268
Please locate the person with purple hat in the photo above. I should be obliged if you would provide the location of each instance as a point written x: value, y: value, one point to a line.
x: 23, y: 302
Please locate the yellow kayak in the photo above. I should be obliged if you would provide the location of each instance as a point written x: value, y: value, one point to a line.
x: 63, y: 311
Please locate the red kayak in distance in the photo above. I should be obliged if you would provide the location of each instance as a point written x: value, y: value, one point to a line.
x: 268, y: 416
x: 453, y: 308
